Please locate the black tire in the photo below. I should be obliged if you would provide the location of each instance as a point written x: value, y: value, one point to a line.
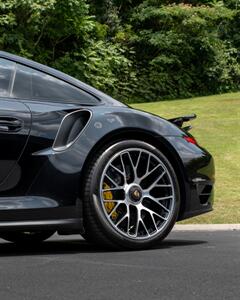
x: 98, y: 230
x: 24, y: 237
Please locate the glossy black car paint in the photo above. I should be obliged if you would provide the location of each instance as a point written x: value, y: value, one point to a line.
x: 41, y: 185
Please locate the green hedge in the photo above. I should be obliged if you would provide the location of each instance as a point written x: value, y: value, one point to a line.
x: 134, y: 50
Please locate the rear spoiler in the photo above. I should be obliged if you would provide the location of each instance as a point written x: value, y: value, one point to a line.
x: 180, y: 120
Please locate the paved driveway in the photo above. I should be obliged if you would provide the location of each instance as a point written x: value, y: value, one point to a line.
x: 188, y: 265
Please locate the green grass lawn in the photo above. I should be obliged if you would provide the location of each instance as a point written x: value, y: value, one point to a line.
x: 217, y: 128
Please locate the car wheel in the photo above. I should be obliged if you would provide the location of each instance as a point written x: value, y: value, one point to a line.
x: 131, y: 197
x: 27, y: 237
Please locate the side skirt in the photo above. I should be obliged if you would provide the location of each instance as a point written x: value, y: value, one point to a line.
x: 63, y: 226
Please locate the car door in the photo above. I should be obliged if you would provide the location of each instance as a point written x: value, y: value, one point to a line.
x: 49, y: 99
x: 15, y: 122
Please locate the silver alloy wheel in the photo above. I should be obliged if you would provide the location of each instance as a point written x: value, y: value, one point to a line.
x: 137, y: 193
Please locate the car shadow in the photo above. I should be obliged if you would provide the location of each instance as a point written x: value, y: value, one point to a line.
x: 52, y: 247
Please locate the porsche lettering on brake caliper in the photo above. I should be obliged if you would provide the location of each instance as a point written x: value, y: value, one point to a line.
x: 107, y: 195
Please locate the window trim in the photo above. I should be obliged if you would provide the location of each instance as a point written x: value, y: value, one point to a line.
x: 13, y: 80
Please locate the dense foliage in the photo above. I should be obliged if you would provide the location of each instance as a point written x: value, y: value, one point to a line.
x: 134, y: 50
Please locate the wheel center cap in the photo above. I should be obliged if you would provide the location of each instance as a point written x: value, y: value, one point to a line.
x: 135, y: 193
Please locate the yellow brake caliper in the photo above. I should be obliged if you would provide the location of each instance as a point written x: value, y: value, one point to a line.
x: 107, y: 195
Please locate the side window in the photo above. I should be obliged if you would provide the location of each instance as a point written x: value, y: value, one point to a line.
x: 33, y: 84
x: 22, y: 87
x: 6, y: 74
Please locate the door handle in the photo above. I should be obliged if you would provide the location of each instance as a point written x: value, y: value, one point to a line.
x: 9, y: 124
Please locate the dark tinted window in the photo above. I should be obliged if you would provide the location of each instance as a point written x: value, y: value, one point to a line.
x: 33, y: 84
x: 6, y: 72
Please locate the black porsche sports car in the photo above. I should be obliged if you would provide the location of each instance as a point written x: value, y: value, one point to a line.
x: 74, y: 160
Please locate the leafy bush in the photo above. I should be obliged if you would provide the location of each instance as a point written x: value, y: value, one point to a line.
x: 180, y: 52
x: 142, y: 50
x: 104, y: 66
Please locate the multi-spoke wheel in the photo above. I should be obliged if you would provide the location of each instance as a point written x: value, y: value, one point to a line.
x: 131, y: 196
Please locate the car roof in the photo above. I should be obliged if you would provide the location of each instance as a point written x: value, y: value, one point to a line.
x: 60, y: 75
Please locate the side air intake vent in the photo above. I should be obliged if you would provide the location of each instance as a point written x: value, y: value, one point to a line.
x: 71, y: 127
x: 205, y: 194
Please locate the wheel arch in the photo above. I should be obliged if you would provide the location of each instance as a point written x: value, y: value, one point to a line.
x: 143, y: 135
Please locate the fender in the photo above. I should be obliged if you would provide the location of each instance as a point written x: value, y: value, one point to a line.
x: 103, y: 121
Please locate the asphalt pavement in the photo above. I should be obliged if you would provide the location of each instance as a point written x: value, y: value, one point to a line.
x: 187, y: 265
